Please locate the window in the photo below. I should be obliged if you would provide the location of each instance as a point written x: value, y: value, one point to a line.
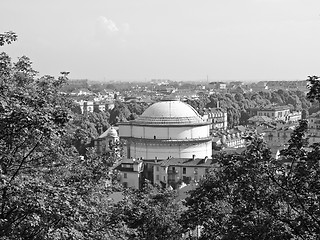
x: 195, y: 171
x: 125, y: 184
x: 164, y: 178
x: 125, y: 175
x: 157, y: 177
x: 157, y: 168
x: 184, y: 170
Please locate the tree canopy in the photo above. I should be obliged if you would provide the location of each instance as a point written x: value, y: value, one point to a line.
x: 47, y: 190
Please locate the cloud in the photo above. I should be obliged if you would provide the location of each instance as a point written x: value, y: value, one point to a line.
x: 105, y: 25
x: 108, y: 32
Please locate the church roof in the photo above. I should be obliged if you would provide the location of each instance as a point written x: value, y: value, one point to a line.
x: 170, y: 113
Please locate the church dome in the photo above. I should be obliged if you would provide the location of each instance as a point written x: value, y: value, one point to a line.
x: 170, y: 113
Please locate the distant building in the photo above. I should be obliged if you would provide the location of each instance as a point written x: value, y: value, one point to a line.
x: 167, y: 129
x: 314, y: 128
x: 295, y: 116
x: 276, y: 135
x: 176, y: 171
x: 86, y: 106
x: 232, y: 138
x: 106, y: 140
x: 91, y: 106
x: 257, y: 120
x: 218, y: 85
x: 130, y: 173
x: 282, y: 113
x: 277, y: 112
x: 314, y: 122
x: 81, y: 92
x: 217, y: 117
x: 288, y: 85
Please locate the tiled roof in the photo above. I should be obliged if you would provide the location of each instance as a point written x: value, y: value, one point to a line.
x: 197, y: 162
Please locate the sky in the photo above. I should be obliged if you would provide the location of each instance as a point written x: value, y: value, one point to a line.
x: 126, y: 40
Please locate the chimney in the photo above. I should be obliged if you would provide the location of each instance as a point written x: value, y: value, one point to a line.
x: 193, y: 156
x: 205, y: 159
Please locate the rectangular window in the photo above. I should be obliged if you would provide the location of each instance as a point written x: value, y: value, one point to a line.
x: 157, y: 168
x: 157, y: 177
x: 195, y: 171
x: 125, y: 175
x: 125, y: 184
x: 184, y: 170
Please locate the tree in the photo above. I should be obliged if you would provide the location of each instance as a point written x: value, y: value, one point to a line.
x: 314, y: 88
x: 119, y: 113
x: 254, y: 196
x: 150, y: 213
x: 47, y: 191
x: 230, y: 202
x: 7, y: 38
x: 298, y: 185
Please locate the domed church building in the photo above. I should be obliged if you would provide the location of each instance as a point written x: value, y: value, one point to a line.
x: 167, y: 129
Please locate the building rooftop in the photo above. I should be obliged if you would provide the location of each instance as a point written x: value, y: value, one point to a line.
x: 197, y: 162
x: 260, y: 119
x: 170, y: 113
x: 275, y: 108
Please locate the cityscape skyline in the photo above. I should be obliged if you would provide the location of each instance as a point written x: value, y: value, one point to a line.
x: 178, y: 40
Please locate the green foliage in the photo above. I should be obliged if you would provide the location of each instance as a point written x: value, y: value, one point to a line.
x: 298, y: 185
x: 237, y: 105
x: 150, y: 213
x: 314, y: 88
x: 230, y: 202
x: 253, y: 196
x: 46, y: 190
x: 7, y: 38
x: 119, y: 113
